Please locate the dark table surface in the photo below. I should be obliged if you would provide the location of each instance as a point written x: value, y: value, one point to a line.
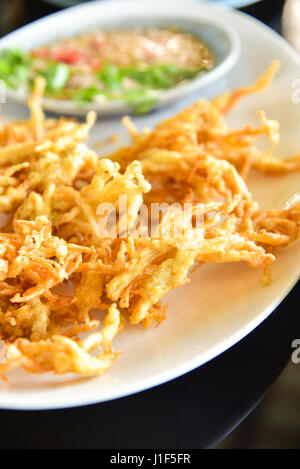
x: 197, y: 410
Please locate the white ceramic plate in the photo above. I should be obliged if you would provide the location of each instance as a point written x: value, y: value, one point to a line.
x: 223, y: 303
x: 223, y: 41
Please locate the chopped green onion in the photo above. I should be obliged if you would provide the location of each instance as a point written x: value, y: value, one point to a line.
x: 111, y: 76
x: 5, y: 68
x: 15, y: 56
x: 57, y: 76
x: 14, y: 67
x: 140, y: 100
x: 21, y: 72
x: 86, y: 95
x: 161, y: 76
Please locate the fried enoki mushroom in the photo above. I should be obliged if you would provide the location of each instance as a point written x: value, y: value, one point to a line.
x: 60, y: 354
x: 34, y: 260
x: 71, y: 247
x: 201, y: 129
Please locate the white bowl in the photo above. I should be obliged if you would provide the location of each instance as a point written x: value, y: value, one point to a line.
x: 222, y: 40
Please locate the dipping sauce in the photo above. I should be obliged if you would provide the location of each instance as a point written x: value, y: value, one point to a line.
x: 132, y: 65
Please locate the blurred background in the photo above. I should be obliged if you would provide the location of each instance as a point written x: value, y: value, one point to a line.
x: 275, y: 423
x: 14, y: 13
x: 281, y: 15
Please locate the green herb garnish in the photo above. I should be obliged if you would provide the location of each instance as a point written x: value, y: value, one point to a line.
x: 111, y: 76
x: 162, y: 76
x: 15, y: 67
x: 140, y: 100
x: 57, y: 76
x: 86, y: 95
x: 18, y: 68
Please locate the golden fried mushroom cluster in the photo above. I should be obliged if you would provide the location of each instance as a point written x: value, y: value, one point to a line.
x: 202, y: 130
x: 57, y: 265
